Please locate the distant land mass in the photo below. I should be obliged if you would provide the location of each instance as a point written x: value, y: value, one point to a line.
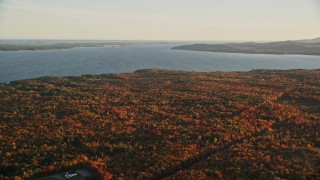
x: 316, y: 40
x: 11, y: 47
x: 65, y: 44
x: 304, y: 47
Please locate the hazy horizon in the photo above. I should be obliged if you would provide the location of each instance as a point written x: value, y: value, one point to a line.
x: 146, y: 20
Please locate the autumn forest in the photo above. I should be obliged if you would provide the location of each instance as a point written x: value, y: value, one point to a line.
x: 152, y: 124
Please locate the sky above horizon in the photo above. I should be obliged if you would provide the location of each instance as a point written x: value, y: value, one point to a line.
x: 208, y: 20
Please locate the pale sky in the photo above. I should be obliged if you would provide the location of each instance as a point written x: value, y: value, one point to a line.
x: 222, y: 20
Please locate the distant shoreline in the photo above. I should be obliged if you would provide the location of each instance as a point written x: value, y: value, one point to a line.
x: 67, y: 45
x: 276, y: 48
x: 7, y: 47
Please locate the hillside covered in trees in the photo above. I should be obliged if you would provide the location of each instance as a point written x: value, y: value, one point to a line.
x: 304, y: 47
x: 151, y: 124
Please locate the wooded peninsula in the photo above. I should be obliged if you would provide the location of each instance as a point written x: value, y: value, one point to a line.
x: 282, y: 47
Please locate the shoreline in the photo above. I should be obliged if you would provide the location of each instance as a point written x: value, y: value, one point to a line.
x: 154, y: 70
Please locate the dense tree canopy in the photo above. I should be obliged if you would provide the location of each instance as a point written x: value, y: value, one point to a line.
x: 159, y: 123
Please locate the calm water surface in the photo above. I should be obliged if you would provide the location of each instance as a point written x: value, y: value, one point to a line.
x: 78, y: 61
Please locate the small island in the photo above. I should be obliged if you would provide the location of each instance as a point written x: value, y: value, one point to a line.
x: 303, y: 47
